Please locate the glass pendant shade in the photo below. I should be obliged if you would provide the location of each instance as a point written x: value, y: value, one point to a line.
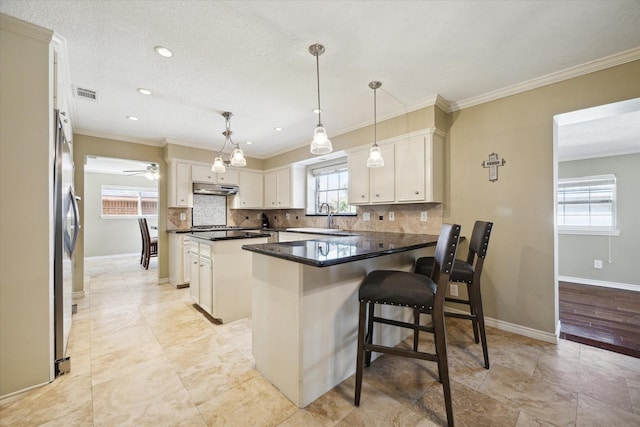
x: 237, y: 157
x: 321, y: 143
x: 218, y: 165
x: 375, y: 159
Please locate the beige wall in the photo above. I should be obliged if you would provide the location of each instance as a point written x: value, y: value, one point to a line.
x: 518, y: 284
x: 26, y: 206
x: 88, y: 145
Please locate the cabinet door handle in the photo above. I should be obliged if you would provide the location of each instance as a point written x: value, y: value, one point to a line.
x: 417, y: 192
x: 377, y: 195
x: 362, y: 196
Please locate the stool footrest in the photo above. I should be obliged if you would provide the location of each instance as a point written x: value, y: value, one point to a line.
x: 400, y: 352
x: 403, y: 324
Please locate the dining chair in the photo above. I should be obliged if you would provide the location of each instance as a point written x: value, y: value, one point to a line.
x: 141, y: 239
x: 420, y: 292
x: 150, y: 244
x: 468, y: 272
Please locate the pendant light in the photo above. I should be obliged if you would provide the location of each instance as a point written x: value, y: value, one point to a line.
x: 375, y: 159
x: 320, y: 143
x: 236, y: 156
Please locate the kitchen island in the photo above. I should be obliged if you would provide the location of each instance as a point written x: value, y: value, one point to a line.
x: 305, y: 305
x: 220, y: 272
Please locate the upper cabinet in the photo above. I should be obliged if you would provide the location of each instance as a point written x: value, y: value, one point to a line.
x: 203, y: 173
x: 284, y: 188
x: 180, y: 194
x: 250, y: 193
x: 413, y: 171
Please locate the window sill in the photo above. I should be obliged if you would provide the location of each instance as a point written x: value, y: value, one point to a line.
x: 589, y: 232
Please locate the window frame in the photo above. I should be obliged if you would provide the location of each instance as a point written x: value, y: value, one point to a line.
x: 129, y: 188
x: 322, y: 169
x: 587, y: 184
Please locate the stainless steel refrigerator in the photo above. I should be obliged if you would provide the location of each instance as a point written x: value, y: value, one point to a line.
x: 67, y: 225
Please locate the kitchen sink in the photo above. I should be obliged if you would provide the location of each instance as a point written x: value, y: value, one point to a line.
x: 318, y: 230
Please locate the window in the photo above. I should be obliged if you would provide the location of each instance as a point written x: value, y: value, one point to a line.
x: 118, y: 202
x: 329, y: 184
x: 587, y: 205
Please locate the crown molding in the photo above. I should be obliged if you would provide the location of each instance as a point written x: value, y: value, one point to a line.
x: 119, y: 138
x: 569, y: 73
x: 18, y: 26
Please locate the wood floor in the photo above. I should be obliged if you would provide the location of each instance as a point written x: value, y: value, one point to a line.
x: 601, y: 317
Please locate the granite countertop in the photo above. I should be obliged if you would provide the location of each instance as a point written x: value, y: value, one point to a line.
x: 228, y: 234
x: 332, y: 250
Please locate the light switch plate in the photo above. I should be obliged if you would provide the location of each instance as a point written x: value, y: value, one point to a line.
x: 366, y: 216
x: 392, y: 216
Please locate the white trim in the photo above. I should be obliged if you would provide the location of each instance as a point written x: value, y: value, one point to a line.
x: 7, y: 397
x: 516, y: 329
x: 569, y: 73
x: 589, y: 232
x: 591, y: 282
x: 165, y: 280
x: 112, y: 256
x: 78, y: 294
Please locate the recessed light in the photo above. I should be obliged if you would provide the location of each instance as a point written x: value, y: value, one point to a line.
x: 278, y: 129
x: 144, y: 91
x: 249, y: 142
x: 163, y: 51
x: 132, y: 118
x: 317, y: 111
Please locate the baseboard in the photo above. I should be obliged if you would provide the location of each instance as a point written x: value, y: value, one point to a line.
x: 590, y: 282
x: 78, y: 294
x: 517, y: 329
x: 163, y: 281
x: 112, y: 256
x: 5, y: 399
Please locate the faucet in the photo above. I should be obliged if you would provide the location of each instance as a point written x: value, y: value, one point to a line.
x: 329, y: 214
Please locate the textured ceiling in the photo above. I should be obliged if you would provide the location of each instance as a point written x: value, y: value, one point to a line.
x: 251, y: 58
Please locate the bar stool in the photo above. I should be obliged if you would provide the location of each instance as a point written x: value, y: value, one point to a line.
x: 420, y: 292
x: 150, y: 244
x: 468, y: 272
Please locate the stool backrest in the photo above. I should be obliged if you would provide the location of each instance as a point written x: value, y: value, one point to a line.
x: 444, y: 257
x: 479, y: 240
x: 145, y: 231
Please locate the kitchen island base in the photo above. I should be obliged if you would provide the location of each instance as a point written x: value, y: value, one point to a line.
x: 305, y: 320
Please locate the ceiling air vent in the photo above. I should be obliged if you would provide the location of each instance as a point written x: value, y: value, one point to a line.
x: 88, y: 94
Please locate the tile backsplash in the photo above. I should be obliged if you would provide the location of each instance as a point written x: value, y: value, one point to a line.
x: 209, y: 210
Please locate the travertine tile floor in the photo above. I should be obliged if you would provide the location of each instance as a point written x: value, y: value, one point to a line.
x: 142, y: 355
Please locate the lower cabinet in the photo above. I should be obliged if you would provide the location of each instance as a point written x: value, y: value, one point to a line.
x: 179, y: 253
x: 221, y: 277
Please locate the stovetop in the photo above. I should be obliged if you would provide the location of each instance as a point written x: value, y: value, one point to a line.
x: 216, y: 227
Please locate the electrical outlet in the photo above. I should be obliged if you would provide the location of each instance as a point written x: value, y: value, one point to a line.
x: 391, y: 216
x: 287, y: 215
x: 597, y: 263
x: 183, y: 216
x: 423, y: 216
x: 366, y: 216
x: 453, y: 290
x: 258, y: 216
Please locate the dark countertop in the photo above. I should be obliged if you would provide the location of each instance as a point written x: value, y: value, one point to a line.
x: 228, y: 234
x: 332, y: 250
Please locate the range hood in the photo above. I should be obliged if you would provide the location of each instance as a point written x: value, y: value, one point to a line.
x: 214, y: 189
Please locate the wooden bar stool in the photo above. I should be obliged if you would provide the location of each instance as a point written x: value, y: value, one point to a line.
x: 420, y: 292
x: 468, y: 272
x: 150, y: 244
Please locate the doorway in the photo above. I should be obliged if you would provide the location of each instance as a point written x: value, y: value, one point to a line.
x: 117, y: 192
x: 597, y: 169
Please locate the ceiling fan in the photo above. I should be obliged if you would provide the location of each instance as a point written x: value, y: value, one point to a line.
x: 152, y: 172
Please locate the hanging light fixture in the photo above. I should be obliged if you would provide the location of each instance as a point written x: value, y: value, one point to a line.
x: 236, y: 158
x: 321, y: 143
x: 375, y: 159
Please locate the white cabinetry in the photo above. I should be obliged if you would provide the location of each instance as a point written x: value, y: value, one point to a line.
x: 413, y: 171
x: 358, y: 177
x: 381, y: 179
x: 180, y: 194
x: 221, y: 277
x: 284, y: 188
x: 292, y: 236
x: 203, y: 173
x: 250, y: 190
x: 179, y: 271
